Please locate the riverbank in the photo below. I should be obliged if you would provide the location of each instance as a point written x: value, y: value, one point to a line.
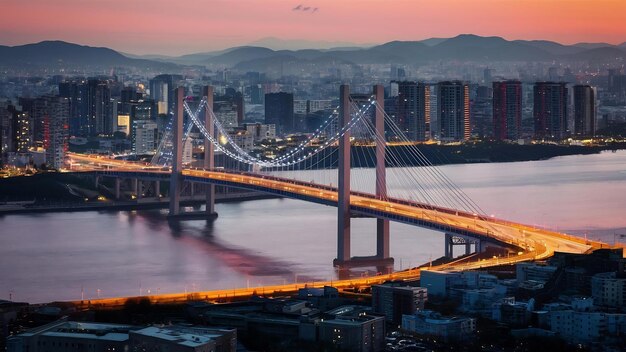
x: 161, y: 203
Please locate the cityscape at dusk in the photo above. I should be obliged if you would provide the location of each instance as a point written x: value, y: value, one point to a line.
x: 354, y: 175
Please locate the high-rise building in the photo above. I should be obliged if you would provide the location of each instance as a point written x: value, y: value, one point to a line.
x: 550, y: 110
x: 584, y: 111
x: 226, y: 113
x: 50, y: 117
x: 162, y: 91
x: 481, y: 111
x: 279, y: 111
x: 507, y: 110
x: 100, y: 118
x: 413, y: 110
x: 256, y: 94
x: 76, y: 92
x: 616, y: 81
x: 143, y: 137
x: 453, y: 111
x: 5, y: 130
x: 20, y: 129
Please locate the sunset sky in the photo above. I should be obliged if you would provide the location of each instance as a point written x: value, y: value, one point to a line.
x: 186, y: 26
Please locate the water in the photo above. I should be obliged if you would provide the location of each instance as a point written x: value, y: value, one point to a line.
x: 66, y: 256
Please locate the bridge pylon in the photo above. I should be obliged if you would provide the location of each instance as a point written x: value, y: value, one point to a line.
x: 343, y: 190
x: 344, y: 258
x: 382, y: 225
x: 176, y: 177
x: 209, y: 149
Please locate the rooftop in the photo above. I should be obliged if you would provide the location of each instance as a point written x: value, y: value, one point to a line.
x: 190, y: 337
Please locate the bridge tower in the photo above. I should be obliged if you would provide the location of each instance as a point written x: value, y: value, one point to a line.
x: 343, y: 190
x: 344, y: 259
x: 177, y: 150
x: 382, y: 225
x: 209, y: 149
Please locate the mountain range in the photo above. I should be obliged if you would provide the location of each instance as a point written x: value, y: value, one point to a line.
x: 464, y: 47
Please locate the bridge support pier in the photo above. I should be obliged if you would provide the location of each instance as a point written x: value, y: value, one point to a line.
x: 157, y: 189
x: 135, y: 186
x: 97, y: 182
x: 118, y: 183
x: 452, y: 240
x: 177, y: 160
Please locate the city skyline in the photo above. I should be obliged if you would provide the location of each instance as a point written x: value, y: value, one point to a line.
x: 155, y: 27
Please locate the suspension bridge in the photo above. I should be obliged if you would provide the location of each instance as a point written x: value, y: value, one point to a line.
x: 359, y: 161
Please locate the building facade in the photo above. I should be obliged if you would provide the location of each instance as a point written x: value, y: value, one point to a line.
x: 550, y: 110
x: 453, y: 111
x: 507, y: 110
x: 394, y: 301
x: 279, y: 112
x: 584, y: 111
x: 413, y: 110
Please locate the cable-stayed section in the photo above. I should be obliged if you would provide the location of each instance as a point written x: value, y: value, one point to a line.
x: 411, y: 176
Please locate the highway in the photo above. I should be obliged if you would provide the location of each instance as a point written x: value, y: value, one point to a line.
x: 533, y: 243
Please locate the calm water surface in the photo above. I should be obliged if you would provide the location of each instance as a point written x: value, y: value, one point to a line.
x: 61, y: 256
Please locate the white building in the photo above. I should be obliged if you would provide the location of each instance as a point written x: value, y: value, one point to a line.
x: 433, y: 324
x: 299, y: 106
x: 183, y: 339
x: 319, y: 105
x: 533, y: 272
x: 143, y: 137
x: 65, y: 336
x: 608, y: 290
x: 261, y: 131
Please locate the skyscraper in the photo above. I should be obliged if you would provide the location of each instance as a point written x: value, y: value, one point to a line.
x: 507, y: 110
x: 76, y: 92
x: 162, y: 91
x: 57, y: 128
x: 550, y: 110
x: 584, y: 111
x: 279, y: 111
x: 453, y: 111
x: 20, y: 129
x: 413, y: 110
x: 100, y: 118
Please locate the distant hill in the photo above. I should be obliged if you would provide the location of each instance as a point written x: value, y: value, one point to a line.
x: 63, y: 54
x: 299, y: 44
x: 465, y: 47
x: 592, y: 45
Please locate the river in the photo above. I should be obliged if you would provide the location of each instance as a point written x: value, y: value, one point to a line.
x: 74, y: 255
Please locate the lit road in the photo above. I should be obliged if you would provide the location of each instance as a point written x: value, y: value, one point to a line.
x: 532, y: 242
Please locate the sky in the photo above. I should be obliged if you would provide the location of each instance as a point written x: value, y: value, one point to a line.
x: 186, y: 26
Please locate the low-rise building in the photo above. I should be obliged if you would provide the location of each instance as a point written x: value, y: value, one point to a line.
x: 183, y: 339
x: 394, y: 300
x: 609, y: 290
x: 64, y: 336
x: 434, y: 324
x: 512, y: 313
x: 533, y: 272
x: 353, y: 328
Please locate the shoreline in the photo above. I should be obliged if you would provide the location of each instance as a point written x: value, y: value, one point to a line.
x: 134, y: 205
